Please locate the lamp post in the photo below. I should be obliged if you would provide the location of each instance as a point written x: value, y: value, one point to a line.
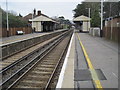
x: 88, y: 12
x: 89, y: 15
x: 7, y: 18
x: 89, y: 19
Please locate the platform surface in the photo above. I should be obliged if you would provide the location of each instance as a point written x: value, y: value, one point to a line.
x: 16, y: 38
x: 104, y: 58
x: 103, y: 55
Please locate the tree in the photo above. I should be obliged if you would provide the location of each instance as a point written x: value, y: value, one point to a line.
x: 82, y: 9
x: 14, y: 21
x: 111, y: 9
x: 61, y: 17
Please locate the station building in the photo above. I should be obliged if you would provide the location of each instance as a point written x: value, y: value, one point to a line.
x: 82, y: 23
x: 42, y: 23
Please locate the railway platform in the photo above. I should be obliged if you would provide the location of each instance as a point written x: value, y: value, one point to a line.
x: 15, y: 44
x: 18, y: 38
x: 92, y: 62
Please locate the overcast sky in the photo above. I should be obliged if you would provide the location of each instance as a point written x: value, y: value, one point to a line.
x: 48, y: 7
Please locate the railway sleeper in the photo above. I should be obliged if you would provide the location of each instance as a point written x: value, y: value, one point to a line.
x: 47, y: 66
x: 36, y: 78
x: 44, y: 69
x: 49, y: 60
x: 41, y: 73
x: 29, y: 84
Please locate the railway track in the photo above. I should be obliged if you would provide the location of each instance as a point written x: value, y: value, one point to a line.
x: 8, y: 61
x: 14, y: 75
x: 23, y: 54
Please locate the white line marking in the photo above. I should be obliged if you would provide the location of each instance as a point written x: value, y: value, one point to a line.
x: 61, y: 77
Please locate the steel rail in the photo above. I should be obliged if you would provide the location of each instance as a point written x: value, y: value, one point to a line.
x: 48, y: 51
x: 57, y: 66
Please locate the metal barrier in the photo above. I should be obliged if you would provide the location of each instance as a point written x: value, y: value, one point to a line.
x: 94, y: 31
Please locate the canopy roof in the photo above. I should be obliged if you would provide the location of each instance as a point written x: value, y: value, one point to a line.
x: 81, y: 18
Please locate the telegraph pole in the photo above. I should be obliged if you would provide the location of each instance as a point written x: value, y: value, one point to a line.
x: 7, y: 18
x: 101, y: 18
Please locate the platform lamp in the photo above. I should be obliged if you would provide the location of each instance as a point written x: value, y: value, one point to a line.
x: 7, y: 18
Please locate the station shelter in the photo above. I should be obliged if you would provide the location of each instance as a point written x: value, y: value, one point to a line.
x: 82, y: 23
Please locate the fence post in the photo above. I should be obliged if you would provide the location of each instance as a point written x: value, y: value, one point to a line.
x: 111, y: 37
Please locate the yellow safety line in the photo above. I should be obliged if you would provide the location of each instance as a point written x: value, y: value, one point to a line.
x: 91, y: 68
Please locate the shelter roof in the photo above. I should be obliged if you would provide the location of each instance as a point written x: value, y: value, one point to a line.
x: 81, y: 18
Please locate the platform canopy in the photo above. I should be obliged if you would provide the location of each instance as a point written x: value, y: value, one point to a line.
x: 42, y: 18
x: 81, y: 18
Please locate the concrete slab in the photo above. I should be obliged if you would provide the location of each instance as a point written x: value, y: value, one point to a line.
x: 82, y: 75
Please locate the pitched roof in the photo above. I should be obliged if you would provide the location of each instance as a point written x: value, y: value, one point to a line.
x: 27, y: 17
x: 42, y: 17
x: 81, y: 18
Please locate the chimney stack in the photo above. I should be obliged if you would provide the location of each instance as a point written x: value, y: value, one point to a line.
x: 39, y: 13
x: 34, y: 12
